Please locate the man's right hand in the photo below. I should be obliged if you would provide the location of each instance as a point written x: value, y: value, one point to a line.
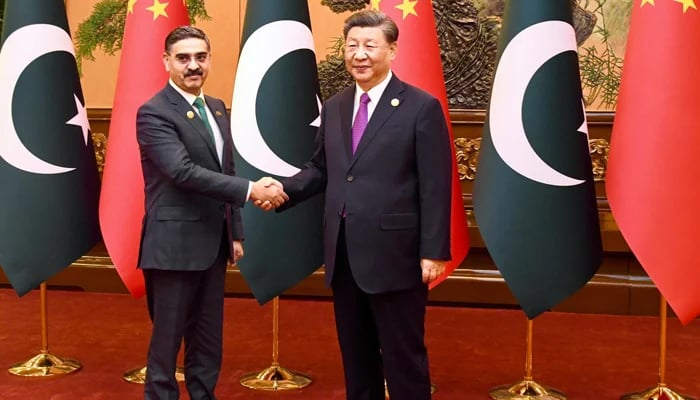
x: 268, y: 193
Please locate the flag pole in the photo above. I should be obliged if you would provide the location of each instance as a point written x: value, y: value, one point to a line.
x: 275, y: 377
x: 661, y: 391
x: 527, y: 389
x: 45, y: 363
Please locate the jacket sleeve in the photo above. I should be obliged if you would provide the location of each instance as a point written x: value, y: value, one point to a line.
x: 433, y: 149
x: 160, y: 144
x: 311, y: 179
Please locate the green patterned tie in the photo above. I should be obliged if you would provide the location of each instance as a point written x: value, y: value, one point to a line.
x: 199, y: 104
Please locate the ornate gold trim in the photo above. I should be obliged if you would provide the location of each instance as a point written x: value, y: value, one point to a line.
x: 599, y: 158
x: 467, y: 157
x: 99, y: 142
x: 467, y: 154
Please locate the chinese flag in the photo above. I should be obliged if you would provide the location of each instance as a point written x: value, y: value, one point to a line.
x: 653, y: 168
x: 141, y: 74
x: 418, y: 62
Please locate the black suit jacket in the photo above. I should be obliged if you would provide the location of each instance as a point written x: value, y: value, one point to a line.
x: 394, y: 192
x: 189, y: 193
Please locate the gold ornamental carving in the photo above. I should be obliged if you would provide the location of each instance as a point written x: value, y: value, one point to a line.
x: 467, y: 157
x: 467, y: 154
x: 599, y: 158
x: 99, y: 142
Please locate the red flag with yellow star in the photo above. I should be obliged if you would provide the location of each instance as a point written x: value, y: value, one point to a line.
x: 418, y: 63
x: 141, y: 75
x: 653, y: 168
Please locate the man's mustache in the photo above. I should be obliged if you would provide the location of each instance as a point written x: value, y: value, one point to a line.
x: 193, y: 73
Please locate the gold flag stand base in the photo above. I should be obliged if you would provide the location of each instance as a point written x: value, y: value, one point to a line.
x: 275, y: 378
x: 138, y: 375
x: 526, y: 390
x: 433, y: 389
x: 660, y: 392
x: 45, y: 364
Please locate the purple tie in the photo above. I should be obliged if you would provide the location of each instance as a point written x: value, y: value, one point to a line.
x: 358, y: 127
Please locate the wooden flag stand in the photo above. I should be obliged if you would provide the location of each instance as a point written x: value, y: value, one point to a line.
x: 45, y: 363
x: 527, y: 389
x: 661, y: 391
x: 275, y: 377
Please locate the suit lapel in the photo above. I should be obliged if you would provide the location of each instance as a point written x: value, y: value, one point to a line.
x: 221, y: 116
x: 384, y: 110
x: 346, y: 106
x: 181, y: 107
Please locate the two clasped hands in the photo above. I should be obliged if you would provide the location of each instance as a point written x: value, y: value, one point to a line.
x: 268, y: 193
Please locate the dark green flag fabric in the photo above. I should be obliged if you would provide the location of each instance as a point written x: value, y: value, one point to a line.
x: 48, y: 175
x: 274, y: 118
x: 534, y: 197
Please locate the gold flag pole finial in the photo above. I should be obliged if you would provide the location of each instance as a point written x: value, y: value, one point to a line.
x: 45, y: 363
x: 275, y: 377
x: 661, y: 391
x: 527, y: 389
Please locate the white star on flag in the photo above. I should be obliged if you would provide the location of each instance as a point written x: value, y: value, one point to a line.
x: 80, y: 119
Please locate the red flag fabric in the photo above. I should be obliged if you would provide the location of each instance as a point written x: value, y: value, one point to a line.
x: 653, y: 168
x: 141, y: 74
x: 418, y: 62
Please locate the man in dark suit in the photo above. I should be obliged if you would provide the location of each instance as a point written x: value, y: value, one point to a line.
x: 387, y: 213
x: 192, y: 224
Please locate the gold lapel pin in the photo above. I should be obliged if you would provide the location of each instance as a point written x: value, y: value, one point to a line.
x: 190, y: 114
x: 218, y: 113
x: 395, y: 102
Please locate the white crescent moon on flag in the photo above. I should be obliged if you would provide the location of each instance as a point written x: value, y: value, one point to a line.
x: 19, y: 50
x: 263, y: 48
x: 523, y: 56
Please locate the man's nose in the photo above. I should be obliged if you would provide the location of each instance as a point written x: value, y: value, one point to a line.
x: 192, y: 64
x: 360, y: 54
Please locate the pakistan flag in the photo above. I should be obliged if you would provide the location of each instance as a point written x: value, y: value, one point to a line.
x: 48, y: 175
x: 534, y: 198
x: 275, y: 113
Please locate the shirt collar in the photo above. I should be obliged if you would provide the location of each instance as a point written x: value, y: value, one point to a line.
x: 188, y: 96
x: 376, y: 92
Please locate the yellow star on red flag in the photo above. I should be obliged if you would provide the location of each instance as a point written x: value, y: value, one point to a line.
x: 647, y: 2
x: 158, y: 9
x: 130, y: 6
x: 374, y: 4
x: 408, y: 7
x: 687, y: 4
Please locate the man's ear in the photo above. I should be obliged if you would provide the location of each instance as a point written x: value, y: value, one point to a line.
x: 393, y: 49
x: 165, y: 62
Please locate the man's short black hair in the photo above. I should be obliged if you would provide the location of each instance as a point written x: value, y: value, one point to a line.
x: 185, y: 32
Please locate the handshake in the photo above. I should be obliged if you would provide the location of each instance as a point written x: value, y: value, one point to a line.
x: 268, y: 193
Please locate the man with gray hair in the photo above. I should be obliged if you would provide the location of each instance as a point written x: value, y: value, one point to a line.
x: 384, y: 161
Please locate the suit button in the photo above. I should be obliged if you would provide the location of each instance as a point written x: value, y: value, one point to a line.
x: 350, y: 178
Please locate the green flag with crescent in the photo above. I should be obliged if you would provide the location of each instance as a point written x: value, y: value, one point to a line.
x: 534, y: 197
x: 275, y: 113
x: 48, y: 174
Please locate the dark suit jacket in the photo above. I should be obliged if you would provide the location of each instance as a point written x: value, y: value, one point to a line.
x: 188, y: 193
x: 394, y: 191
